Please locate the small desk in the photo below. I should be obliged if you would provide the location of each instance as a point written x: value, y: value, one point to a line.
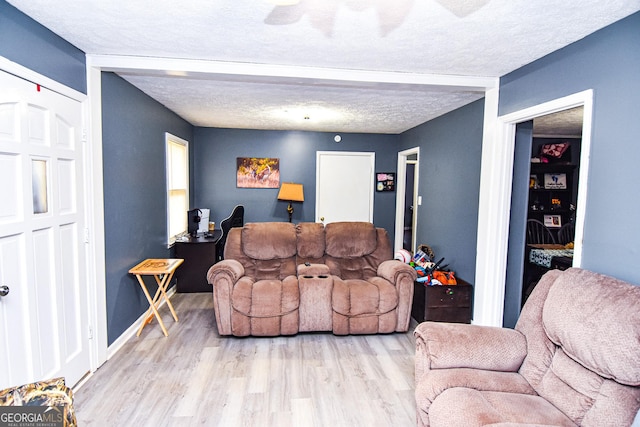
x: 162, y: 270
x: 199, y: 254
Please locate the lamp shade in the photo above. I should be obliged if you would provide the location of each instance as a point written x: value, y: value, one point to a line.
x: 291, y: 192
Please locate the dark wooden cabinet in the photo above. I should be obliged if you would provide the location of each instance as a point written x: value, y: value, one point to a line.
x: 199, y: 254
x: 443, y: 303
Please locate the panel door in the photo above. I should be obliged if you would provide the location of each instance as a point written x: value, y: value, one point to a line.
x: 43, y: 317
x: 345, y: 186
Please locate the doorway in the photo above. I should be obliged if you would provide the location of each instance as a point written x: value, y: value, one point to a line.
x: 545, y: 200
x: 407, y: 200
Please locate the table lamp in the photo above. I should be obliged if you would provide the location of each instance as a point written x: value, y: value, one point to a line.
x: 291, y: 193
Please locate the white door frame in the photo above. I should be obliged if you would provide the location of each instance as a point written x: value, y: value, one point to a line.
x: 94, y: 218
x: 495, y: 197
x: 401, y: 189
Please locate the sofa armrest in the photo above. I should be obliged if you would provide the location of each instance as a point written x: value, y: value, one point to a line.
x: 230, y: 267
x: 456, y: 345
x: 223, y: 276
x: 393, y: 270
x: 401, y: 276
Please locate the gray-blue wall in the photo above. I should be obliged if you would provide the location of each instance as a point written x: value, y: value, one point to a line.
x: 608, y: 62
x: 214, y: 167
x: 449, y: 182
x: 26, y: 42
x: 133, y: 141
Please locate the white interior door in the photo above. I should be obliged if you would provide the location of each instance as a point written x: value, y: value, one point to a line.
x: 344, y: 186
x: 43, y: 317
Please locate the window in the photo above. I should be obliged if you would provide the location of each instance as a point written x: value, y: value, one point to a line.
x: 177, y: 186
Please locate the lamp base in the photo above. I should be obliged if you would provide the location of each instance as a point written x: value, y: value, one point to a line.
x: 290, y: 211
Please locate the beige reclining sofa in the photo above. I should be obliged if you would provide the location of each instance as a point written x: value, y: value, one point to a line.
x: 280, y: 279
x: 572, y: 360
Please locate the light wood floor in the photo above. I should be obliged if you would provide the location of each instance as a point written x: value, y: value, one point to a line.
x: 196, y: 377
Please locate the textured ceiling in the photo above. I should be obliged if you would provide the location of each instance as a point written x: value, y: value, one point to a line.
x: 368, y: 40
x: 564, y: 123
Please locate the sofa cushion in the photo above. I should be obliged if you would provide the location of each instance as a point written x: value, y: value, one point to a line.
x: 269, y: 240
x: 310, y: 240
x: 350, y: 239
x: 586, y: 323
x: 266, y: 298
x: 360, y: 297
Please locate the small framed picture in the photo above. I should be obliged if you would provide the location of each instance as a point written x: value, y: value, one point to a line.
x: 385, y: 181
x: 555, y: 181
x: 553, y: 221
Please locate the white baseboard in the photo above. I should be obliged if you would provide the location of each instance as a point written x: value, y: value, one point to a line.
x: 131, y: 331
x: 121, y: 340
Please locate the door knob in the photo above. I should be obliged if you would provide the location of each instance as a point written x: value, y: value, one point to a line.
x: 4, y: 291
x: 322, y: 218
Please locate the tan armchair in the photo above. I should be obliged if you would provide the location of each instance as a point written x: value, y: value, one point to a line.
x: 573, y: 359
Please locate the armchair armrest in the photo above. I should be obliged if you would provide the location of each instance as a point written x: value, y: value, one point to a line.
x: 223, y: 276
x: 449, y: 345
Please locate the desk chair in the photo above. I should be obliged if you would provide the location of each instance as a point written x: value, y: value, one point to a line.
x: 236, y: 219
x: 538, y: 233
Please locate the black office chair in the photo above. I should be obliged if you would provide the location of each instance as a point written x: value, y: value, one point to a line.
x: 538, y: 233
x: 236, y: 219
x: 566, y: 234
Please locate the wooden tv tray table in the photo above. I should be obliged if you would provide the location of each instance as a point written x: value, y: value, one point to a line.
x: 162, y: 270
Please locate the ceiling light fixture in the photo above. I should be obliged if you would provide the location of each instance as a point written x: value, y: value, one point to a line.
x: 283, y: 2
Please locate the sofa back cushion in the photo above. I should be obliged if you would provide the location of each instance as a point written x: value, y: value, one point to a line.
x: 266, y: 250
x: 354, y: 250
x: 269, y: 240
x: 310, y: 242
x: 350, y: 239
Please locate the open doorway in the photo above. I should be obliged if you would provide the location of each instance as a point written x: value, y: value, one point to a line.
x: 552, y: 195
x: 548, y: 151
x: 407, y: 199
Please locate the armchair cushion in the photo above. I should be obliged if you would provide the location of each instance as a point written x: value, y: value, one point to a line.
x: 494, y: 408
x: 589, y: 335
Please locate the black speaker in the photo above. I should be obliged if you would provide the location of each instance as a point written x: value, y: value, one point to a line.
x: 193, y: 221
